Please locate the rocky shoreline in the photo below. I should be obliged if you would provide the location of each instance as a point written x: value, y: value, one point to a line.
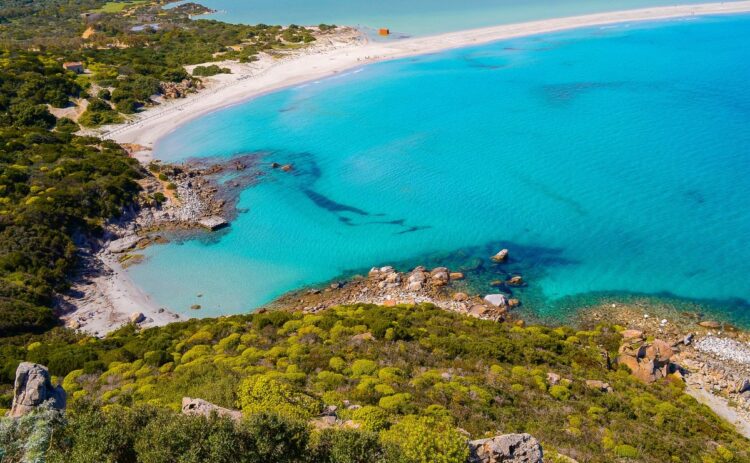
x: 713, y: 357
x: 177, y: 201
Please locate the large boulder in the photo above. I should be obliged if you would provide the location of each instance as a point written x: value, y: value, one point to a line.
x: 506, y: 448
x: 33, y: 387
x: 204, y: 408
x: 647, y: 361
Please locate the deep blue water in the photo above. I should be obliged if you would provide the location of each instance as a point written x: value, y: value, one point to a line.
x: 414, y: 17
x: 607, y: 159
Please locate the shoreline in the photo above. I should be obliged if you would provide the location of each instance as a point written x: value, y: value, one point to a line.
x: 329, y: 57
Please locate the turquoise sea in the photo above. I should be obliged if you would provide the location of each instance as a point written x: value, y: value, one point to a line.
x: 608, y: 159
x: 414, y: 17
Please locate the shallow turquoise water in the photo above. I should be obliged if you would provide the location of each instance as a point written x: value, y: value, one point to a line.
x: 415, y: 17
x: 606, y: 159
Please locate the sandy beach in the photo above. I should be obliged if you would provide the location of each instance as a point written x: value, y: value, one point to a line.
x: 104, y: 298
x: 329, y: 57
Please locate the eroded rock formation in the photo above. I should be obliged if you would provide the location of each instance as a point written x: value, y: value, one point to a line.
x: 33, y: 387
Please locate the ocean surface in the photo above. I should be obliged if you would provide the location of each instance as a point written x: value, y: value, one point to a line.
x: 609, y: 160
x: 414, y: 17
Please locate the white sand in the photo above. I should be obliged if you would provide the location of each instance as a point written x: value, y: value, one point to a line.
x: 109, y: 298
x: 721, y: 407
x: 113, y: 296
x: 331, y: 57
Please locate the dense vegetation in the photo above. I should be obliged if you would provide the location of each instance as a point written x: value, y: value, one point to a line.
x: 54, y: 185
x: 414, y: 374
x: 132, y: 49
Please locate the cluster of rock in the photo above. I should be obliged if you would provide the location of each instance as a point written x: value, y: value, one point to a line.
x: 33, y: 388
x: 389, y: 287
x: 506, y: 448
x: 648, y: 361
x: 172, y: 90
x: 722, y: 366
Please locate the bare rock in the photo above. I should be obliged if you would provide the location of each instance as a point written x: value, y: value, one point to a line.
x: 710, y: 324
x: 32, y: 388
x: 632, y: 334
x: 137, y: 317
x: 515, y: 280
x: 458, y: 297
x: 647, y: 362
x: 205, y: 408
x: 498, y: 300
x: 123, y: 244
x: 501, y: 256
x: 456, y: 276
x: 506, y: 448
x: 597, y: 385
x: 553, y: 378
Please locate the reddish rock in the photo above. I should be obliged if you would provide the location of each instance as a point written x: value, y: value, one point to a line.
x: 460, y: 297
x: 632, y: 334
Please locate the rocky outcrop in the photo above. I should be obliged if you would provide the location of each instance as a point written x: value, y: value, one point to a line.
x: 501, y: 256
x: 506, y: 448
x: 201, y: 407
x: 33, y: 387
x: 647, y: 361
x: 596, y: 385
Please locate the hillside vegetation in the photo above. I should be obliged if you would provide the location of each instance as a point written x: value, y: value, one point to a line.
x: 410, y: 378
x: 55, y: 186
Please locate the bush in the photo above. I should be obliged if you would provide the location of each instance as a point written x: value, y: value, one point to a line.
x: 427, y: 440
x: 626, y: 451
x: 211, y: 70
x: 348, y: 446
x: 363, y: 367
x: 265, y: 394
x: 372, y: 418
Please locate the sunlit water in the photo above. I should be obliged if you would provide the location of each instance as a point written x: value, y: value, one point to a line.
x: 606, y: 159
x: 415, y: 17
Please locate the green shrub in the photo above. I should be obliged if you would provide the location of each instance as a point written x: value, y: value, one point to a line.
x: 626, y: 451
x: 426, y: 440
x: 363, y: 367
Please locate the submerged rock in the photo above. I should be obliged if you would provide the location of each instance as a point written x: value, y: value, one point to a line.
x: 33, y: 387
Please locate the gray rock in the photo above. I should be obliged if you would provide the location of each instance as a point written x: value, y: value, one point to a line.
x: 137, y: 317
x: 32, y: 388
x: 204, y: 408
x: 506, y: 448
x: 743, y: 386
x: 123, y: 244
x: 498, y: 300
